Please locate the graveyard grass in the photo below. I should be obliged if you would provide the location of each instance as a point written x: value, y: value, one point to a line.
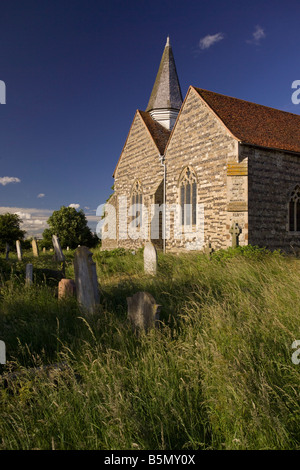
x: 217, y: 373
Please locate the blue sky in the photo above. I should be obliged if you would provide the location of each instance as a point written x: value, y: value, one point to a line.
x: 76, y: 71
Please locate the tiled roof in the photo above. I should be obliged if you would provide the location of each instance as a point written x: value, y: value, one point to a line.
x: 158, y: 132
x: 255, y: 124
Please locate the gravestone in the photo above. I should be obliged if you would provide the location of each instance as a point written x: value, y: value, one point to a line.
x: 29, y: 274
x: 44, y: 249
x: 19, y: 250
x: 143, y: 311
x: 208, y: 250
x: 35, y: 247
x: 60, y: 257
x: 66, y: 288
x: 235, y: 231
x: 150, y: 259
x: 6, y: 251
x: 87, y: 291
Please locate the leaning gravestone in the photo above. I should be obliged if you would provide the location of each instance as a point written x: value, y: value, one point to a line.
x: 86, y: 279
x: 19, y: 250
x: 35, y: 247
x: 150, y: 259
x: 143, y: 311
x: 60, y: 257
x: 29, y: 273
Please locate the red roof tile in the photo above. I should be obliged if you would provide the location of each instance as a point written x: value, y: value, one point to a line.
x: 158, y: 132
x: 255, y: 124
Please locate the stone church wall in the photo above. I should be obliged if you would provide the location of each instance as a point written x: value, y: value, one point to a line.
x: 139, y: 162
x: 272, y: 177
x: 201, y: 141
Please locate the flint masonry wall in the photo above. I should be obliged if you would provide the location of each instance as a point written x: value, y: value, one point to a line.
x: 139, y: 162
x: 272, y: 177
x: 200, y: 140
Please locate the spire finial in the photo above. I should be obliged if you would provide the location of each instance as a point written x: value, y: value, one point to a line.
x: 168, y: 41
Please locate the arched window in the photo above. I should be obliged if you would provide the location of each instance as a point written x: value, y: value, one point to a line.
x: 137, y: 201
x: 188, y: 197
x: 294, y: 210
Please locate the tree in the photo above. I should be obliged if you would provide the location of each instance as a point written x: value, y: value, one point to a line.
x: 10, y: 230
x: 71, y: 227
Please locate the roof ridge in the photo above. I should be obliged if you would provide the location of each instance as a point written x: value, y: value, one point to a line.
x: 245, y: 101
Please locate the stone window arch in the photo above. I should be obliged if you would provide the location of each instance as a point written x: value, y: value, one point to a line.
x: 188, y: 196
x: 294, y: 210
x: 136, y: 202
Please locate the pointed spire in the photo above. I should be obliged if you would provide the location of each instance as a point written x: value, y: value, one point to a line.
x: 166, y: 97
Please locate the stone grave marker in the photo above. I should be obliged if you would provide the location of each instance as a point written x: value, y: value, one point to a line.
x: 86, y: 281
x: 29, y: 274
x: 19, y: 250
x: 235, y: 231
x: 7, y: 249
x: 143, y: 311
x: 150, y: 259
x: 59, y: 256
x: 208, y: 250
x: 66, y: 288
x: 44, y: 249
x: 35, y: 247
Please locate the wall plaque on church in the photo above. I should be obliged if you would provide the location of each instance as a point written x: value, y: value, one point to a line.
x: 237, y: 206
x: 237, y: 169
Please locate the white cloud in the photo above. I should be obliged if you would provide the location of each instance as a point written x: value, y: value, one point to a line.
x: 258, y: 34
x: 76, y: 206
x: 41, y: 195
x: 34, y: 220
x: 4, y: 180
x: 210, y: 39
x: 23, y: 215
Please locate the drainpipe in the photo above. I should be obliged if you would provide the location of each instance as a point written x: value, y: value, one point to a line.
x: 162, y: 161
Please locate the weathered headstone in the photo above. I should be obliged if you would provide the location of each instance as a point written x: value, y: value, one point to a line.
x: 150, y: 259
x: 7, y: 251
x: 235, y: 231
x: 60, y: 257
x: 86, y: 279
x: 35, y: 247
x: 19, y: 250
x: 29, y: 274
x: 143, y: 311
x: 44, y: 249
x: 68, y: 248
x: 208, y: 250
x: 66, y: 288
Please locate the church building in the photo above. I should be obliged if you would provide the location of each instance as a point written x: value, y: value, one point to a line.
x: 206, y: 169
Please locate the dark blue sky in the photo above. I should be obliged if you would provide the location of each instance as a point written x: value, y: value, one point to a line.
x: 75, y: 73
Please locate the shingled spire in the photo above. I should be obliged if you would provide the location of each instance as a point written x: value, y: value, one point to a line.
x: 166, y: 97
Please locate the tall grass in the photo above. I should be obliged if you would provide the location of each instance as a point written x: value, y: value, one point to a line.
x: 216, y: 374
